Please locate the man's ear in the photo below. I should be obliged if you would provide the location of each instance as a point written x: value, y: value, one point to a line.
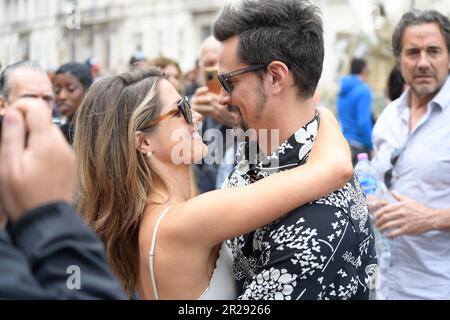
x: 279, y: 76
x: 142, y: 142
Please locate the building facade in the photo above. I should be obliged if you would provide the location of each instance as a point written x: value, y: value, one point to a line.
x: 57, y: 31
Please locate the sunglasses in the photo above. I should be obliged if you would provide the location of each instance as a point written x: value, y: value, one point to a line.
x: 394, y: 159
x: 184, y: 107
x: 225, y: 78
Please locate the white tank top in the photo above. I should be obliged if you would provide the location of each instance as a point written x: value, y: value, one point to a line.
x: 222, y: 285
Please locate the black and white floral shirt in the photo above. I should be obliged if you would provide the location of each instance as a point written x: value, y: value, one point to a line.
x: 323, y: 250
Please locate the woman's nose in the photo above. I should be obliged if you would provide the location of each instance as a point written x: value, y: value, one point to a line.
x: 197, y: 117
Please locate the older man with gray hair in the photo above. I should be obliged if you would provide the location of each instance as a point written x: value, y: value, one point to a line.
x: 25, y: 79
x: 412, y: 145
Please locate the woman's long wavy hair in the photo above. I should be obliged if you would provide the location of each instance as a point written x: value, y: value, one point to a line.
x: 114, y: 178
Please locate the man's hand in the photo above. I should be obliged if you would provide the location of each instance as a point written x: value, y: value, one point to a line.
x: 406, y: 217
x: 37, y: 164
x: 374, y: 203
x: 207, y: 104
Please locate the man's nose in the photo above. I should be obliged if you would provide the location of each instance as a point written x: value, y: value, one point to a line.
x: 424, y: 61
x: 224, y: 97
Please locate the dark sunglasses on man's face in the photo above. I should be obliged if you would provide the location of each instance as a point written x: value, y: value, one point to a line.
x: 183, y: 107
x: 394, y: 159
x: 225, y: 78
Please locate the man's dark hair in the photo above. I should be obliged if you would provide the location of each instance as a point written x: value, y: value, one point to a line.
x: 357, y: 65
x: 417, y: 17
x: 289, y: 31
x: 5, y: 76
x: 79, y: 71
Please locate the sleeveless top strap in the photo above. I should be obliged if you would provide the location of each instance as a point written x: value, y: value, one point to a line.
x: 152, y: 254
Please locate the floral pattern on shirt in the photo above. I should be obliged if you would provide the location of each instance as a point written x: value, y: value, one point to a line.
x: 324, y: 250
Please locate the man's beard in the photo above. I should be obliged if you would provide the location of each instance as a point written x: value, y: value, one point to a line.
x: 426, y: 90
x: 423, y: 91
x: 261, y: 100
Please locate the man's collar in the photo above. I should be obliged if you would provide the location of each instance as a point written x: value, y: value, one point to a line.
x: 442, y: 99
x: 292, y: 153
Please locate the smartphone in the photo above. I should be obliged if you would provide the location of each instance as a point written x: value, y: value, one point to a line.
x: 212, y: 81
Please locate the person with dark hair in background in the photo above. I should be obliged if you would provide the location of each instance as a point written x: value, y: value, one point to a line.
x: 354, y: 107
x: 70, y: 84
x: 412, y: 153
x: 396, y: 84
x: 270, y: 62
x: 46, y: 252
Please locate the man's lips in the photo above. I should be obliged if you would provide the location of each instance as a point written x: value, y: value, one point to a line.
x: 424, y: 76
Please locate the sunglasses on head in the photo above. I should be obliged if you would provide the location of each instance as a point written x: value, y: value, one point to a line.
x: 225, y: 78
x: 388, y: 175
x: 183, y: 107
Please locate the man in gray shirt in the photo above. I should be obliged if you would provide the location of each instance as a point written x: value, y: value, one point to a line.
x: 412, y: 145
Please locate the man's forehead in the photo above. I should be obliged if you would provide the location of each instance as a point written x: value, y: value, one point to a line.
x: 228, y: 54
x: 27, y: 78
x: 429, y: 32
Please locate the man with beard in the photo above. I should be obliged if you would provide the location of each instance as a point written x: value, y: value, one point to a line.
x: 270, y: 62
x: 412, y: 146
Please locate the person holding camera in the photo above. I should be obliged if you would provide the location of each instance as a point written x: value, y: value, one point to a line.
x: 46, y: 251
x: 216, y: 116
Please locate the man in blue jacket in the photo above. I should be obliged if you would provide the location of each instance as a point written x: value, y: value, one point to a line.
x: 354, y: 106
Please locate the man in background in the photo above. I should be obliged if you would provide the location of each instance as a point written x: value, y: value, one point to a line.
x: 412, y: 153
x: 216, y: 117
x: 354, y: 106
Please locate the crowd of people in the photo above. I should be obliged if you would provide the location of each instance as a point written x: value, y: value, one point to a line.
x: 115, y: 201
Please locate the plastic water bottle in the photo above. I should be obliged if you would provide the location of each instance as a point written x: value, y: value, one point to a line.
x: 375, y: 192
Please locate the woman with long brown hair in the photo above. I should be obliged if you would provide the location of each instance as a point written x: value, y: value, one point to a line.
x: 137, y: 197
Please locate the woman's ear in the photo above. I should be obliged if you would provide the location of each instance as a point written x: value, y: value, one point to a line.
x: 142, y: 143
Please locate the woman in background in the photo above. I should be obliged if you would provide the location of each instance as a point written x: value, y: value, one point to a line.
x: 70, y: 84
